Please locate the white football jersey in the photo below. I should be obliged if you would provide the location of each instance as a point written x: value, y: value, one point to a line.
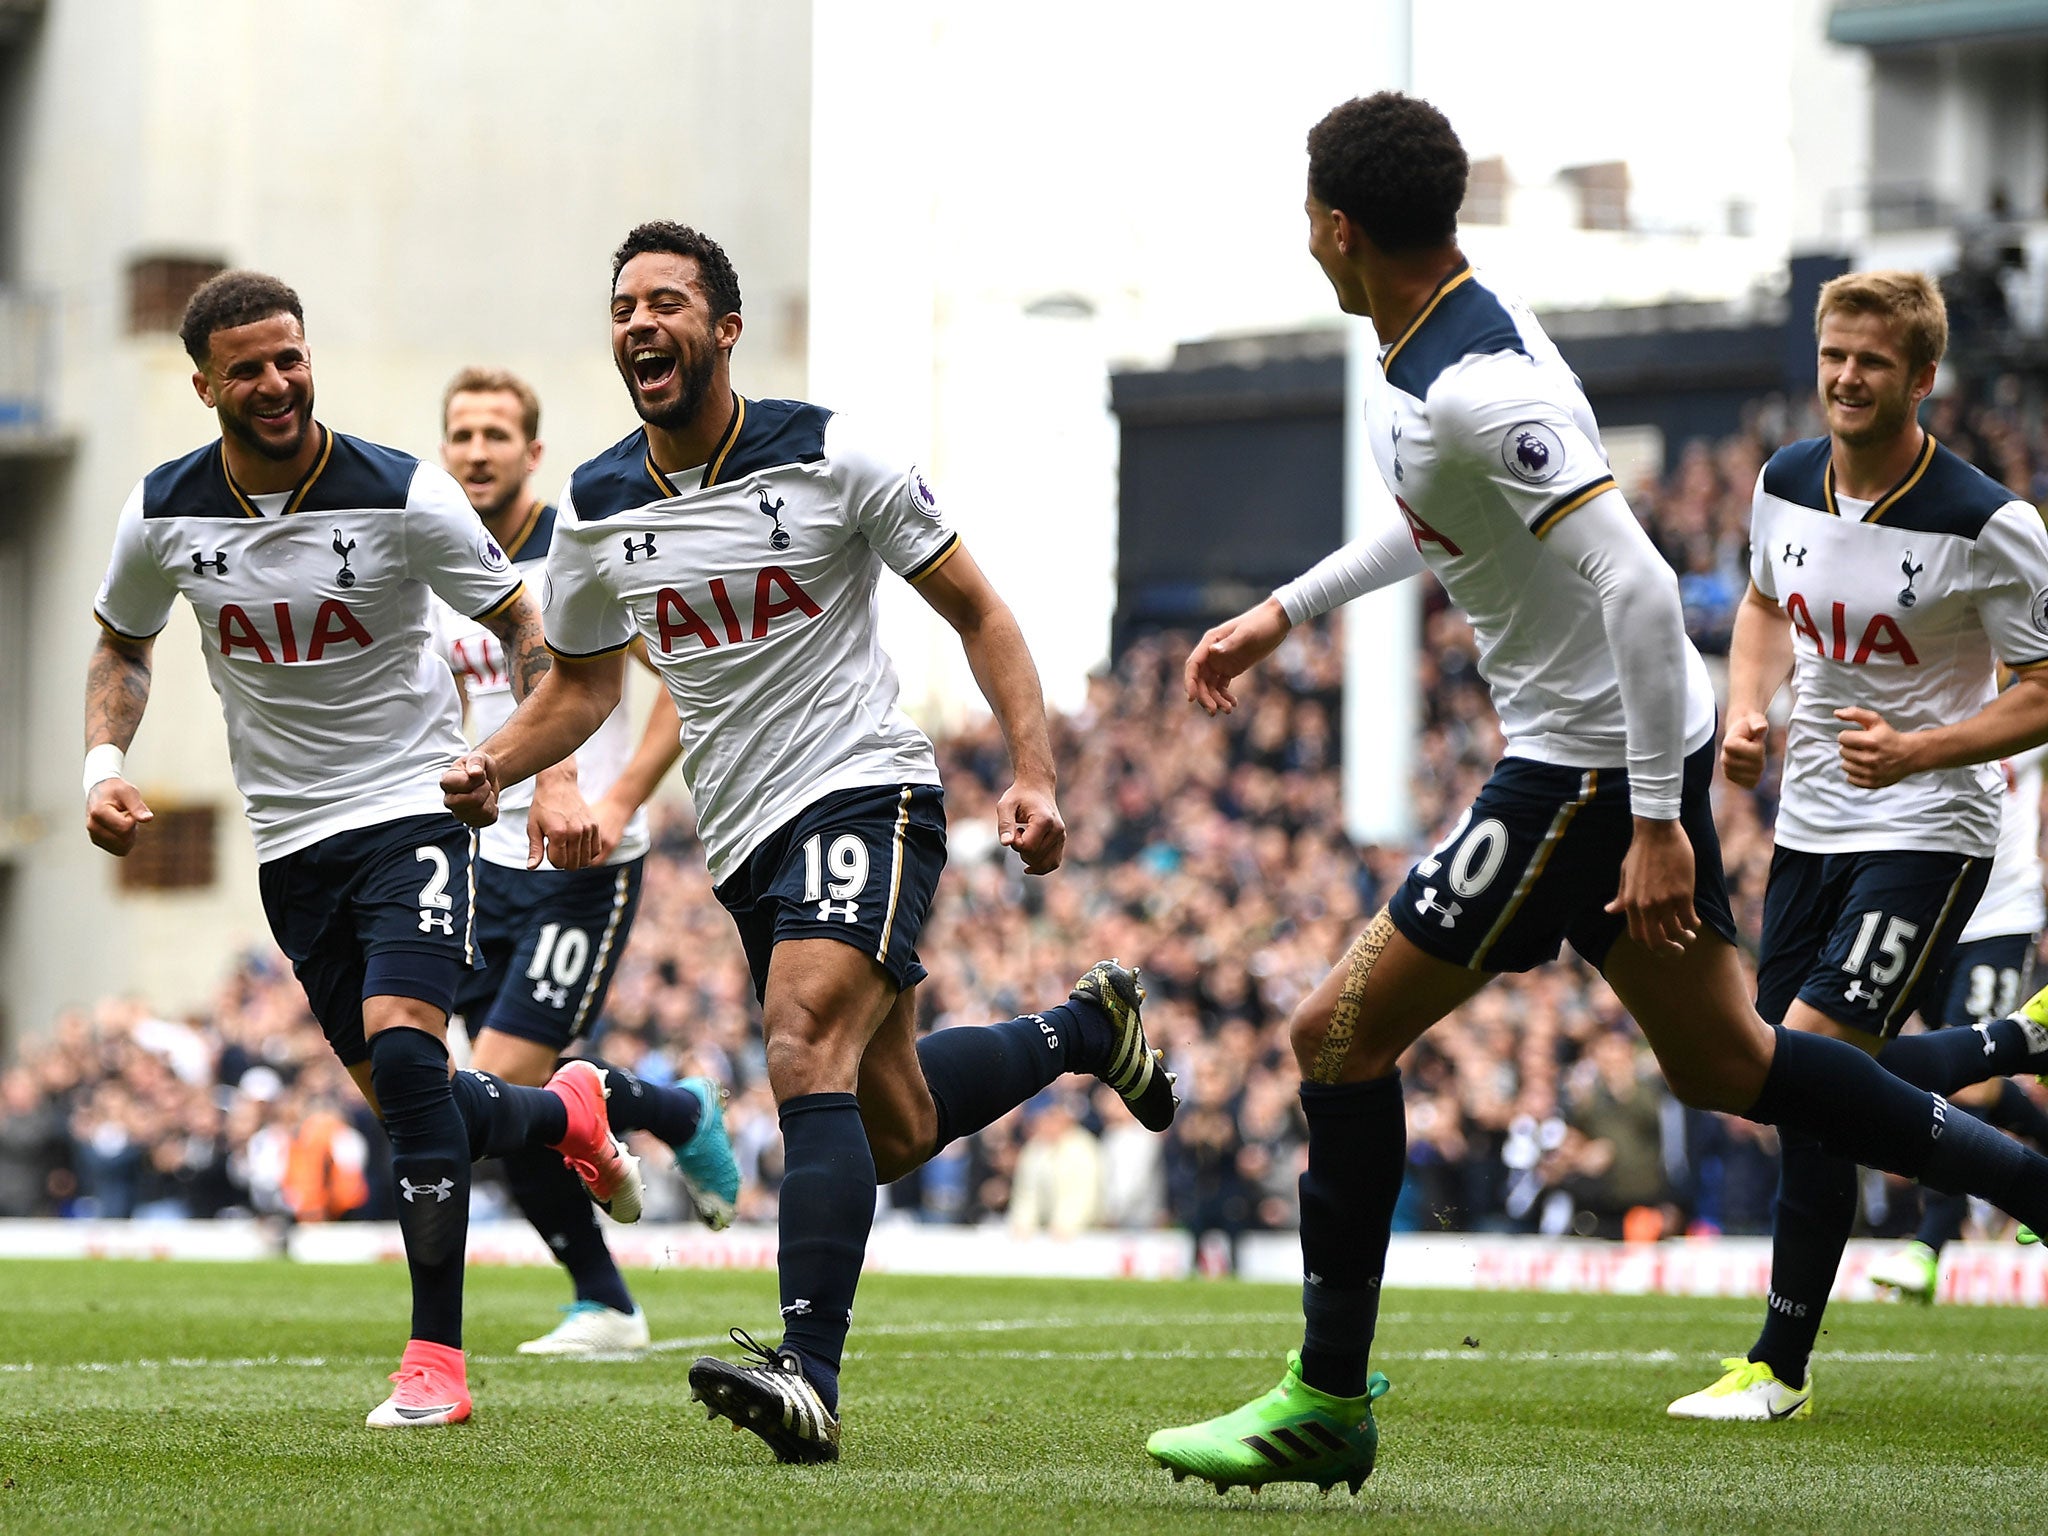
x: 2012, y: 901
x: 314, y: 614
x: 1485, y: 439
x: 752, y: 581
x: 1903, y: 606
x: 478, y: 657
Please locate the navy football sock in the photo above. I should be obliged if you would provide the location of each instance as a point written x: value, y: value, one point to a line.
x: 1815, y: 1211
x: 1942, y: 1216
x: 1943, y: 1060
x: 2014, y: 1111
x: 1836, y: 1093
x: 978, y: 1073
x: 430, y: 1168
x: 555, y: 1201
x: 827, y: 1207
x: 1941, y: 1219
x: 502, y: 1118
x: 668, y: 1113
x: 1357, y: 1157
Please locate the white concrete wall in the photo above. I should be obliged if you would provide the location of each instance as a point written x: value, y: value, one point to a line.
x: 443, y: 181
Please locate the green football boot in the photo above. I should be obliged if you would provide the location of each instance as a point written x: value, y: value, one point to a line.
x: 1294, y: 1434
x: 1912, y: 1271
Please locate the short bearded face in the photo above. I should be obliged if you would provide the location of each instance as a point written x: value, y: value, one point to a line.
x: 485, y: 447
x: 664, y: 338
x: 259, y: 380
x: 1868, y: 387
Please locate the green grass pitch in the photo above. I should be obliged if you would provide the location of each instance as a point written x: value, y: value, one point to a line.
x: 216, y: 1398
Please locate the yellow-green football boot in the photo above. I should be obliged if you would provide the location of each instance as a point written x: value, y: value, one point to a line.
x: 1294, y: 1434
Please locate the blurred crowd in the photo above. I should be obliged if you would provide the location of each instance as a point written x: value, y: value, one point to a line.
x: 1210, y: 851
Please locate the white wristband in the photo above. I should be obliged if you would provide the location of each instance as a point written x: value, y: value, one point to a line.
x: 103, y: 762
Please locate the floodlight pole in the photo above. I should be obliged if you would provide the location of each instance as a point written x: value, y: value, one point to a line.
x: 1382, y: 701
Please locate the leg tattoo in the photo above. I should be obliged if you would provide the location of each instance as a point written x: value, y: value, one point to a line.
x: 1364, y: 954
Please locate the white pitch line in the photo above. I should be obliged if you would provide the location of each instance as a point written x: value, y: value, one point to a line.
x: 969, y: 1327
x: 1462, y: 1356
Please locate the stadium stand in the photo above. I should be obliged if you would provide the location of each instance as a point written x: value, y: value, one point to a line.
x: 1211, y: 852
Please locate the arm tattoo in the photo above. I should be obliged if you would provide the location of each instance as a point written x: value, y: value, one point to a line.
x: 518, y: 629
x: 116, y: 691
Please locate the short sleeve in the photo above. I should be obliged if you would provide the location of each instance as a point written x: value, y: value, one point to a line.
x: 892, y: 507
x: 2009, y: 570
x: 448, y: 547
x: 1534, y: 450
x: 136, y: 594
x: 1763, y: 572
x: 579, y: 613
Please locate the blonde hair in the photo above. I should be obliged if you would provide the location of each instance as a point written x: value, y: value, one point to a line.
x: 1910, y: 298
x: 494, y: 381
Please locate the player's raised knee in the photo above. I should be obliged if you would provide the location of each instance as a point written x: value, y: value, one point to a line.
x: 1307, y: 1028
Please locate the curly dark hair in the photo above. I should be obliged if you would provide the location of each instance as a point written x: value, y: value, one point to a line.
x: 721, y: 283
x: 1393, y: 166
x: 237, y: 297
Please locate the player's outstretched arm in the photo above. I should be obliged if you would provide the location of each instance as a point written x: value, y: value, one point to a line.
x: 559, y: 708
x: 1759, y: 662
x: 1874, y: 755
x: 559, y: 825
x: 1366, y: 564
x: 116, y: 693
x: 1027, y: 816
x: 1233, y: 647
x: 568, y: 703
x: 660, y: 745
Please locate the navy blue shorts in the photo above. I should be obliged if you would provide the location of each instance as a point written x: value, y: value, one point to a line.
x: 548, y: 942
x: 1536, y: 859
x: 1984, y: 979
x: 859, y: 866
x: 380, y: 911
x: 1858, y: 936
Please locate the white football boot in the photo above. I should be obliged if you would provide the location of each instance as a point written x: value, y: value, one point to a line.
x: 1750, y: 1393
x: 592, y: 1328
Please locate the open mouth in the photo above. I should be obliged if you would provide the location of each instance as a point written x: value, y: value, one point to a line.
x: 652, y: 369
x: 276, y: 416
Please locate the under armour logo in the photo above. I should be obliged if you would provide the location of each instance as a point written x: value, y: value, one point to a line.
x: 827, y: 910
x: 344, y: 577
x: 779, y: 539
x: 1857, y: 992
x: 801, y: 1307
x: 553, y: 996
x: 1909, y: 597
x: 1429, y: 904
x: 440, y: 1191
x: 1795, y: 556
x: 432, y: 922
x: 218, y: 564
x: 645, y: 546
